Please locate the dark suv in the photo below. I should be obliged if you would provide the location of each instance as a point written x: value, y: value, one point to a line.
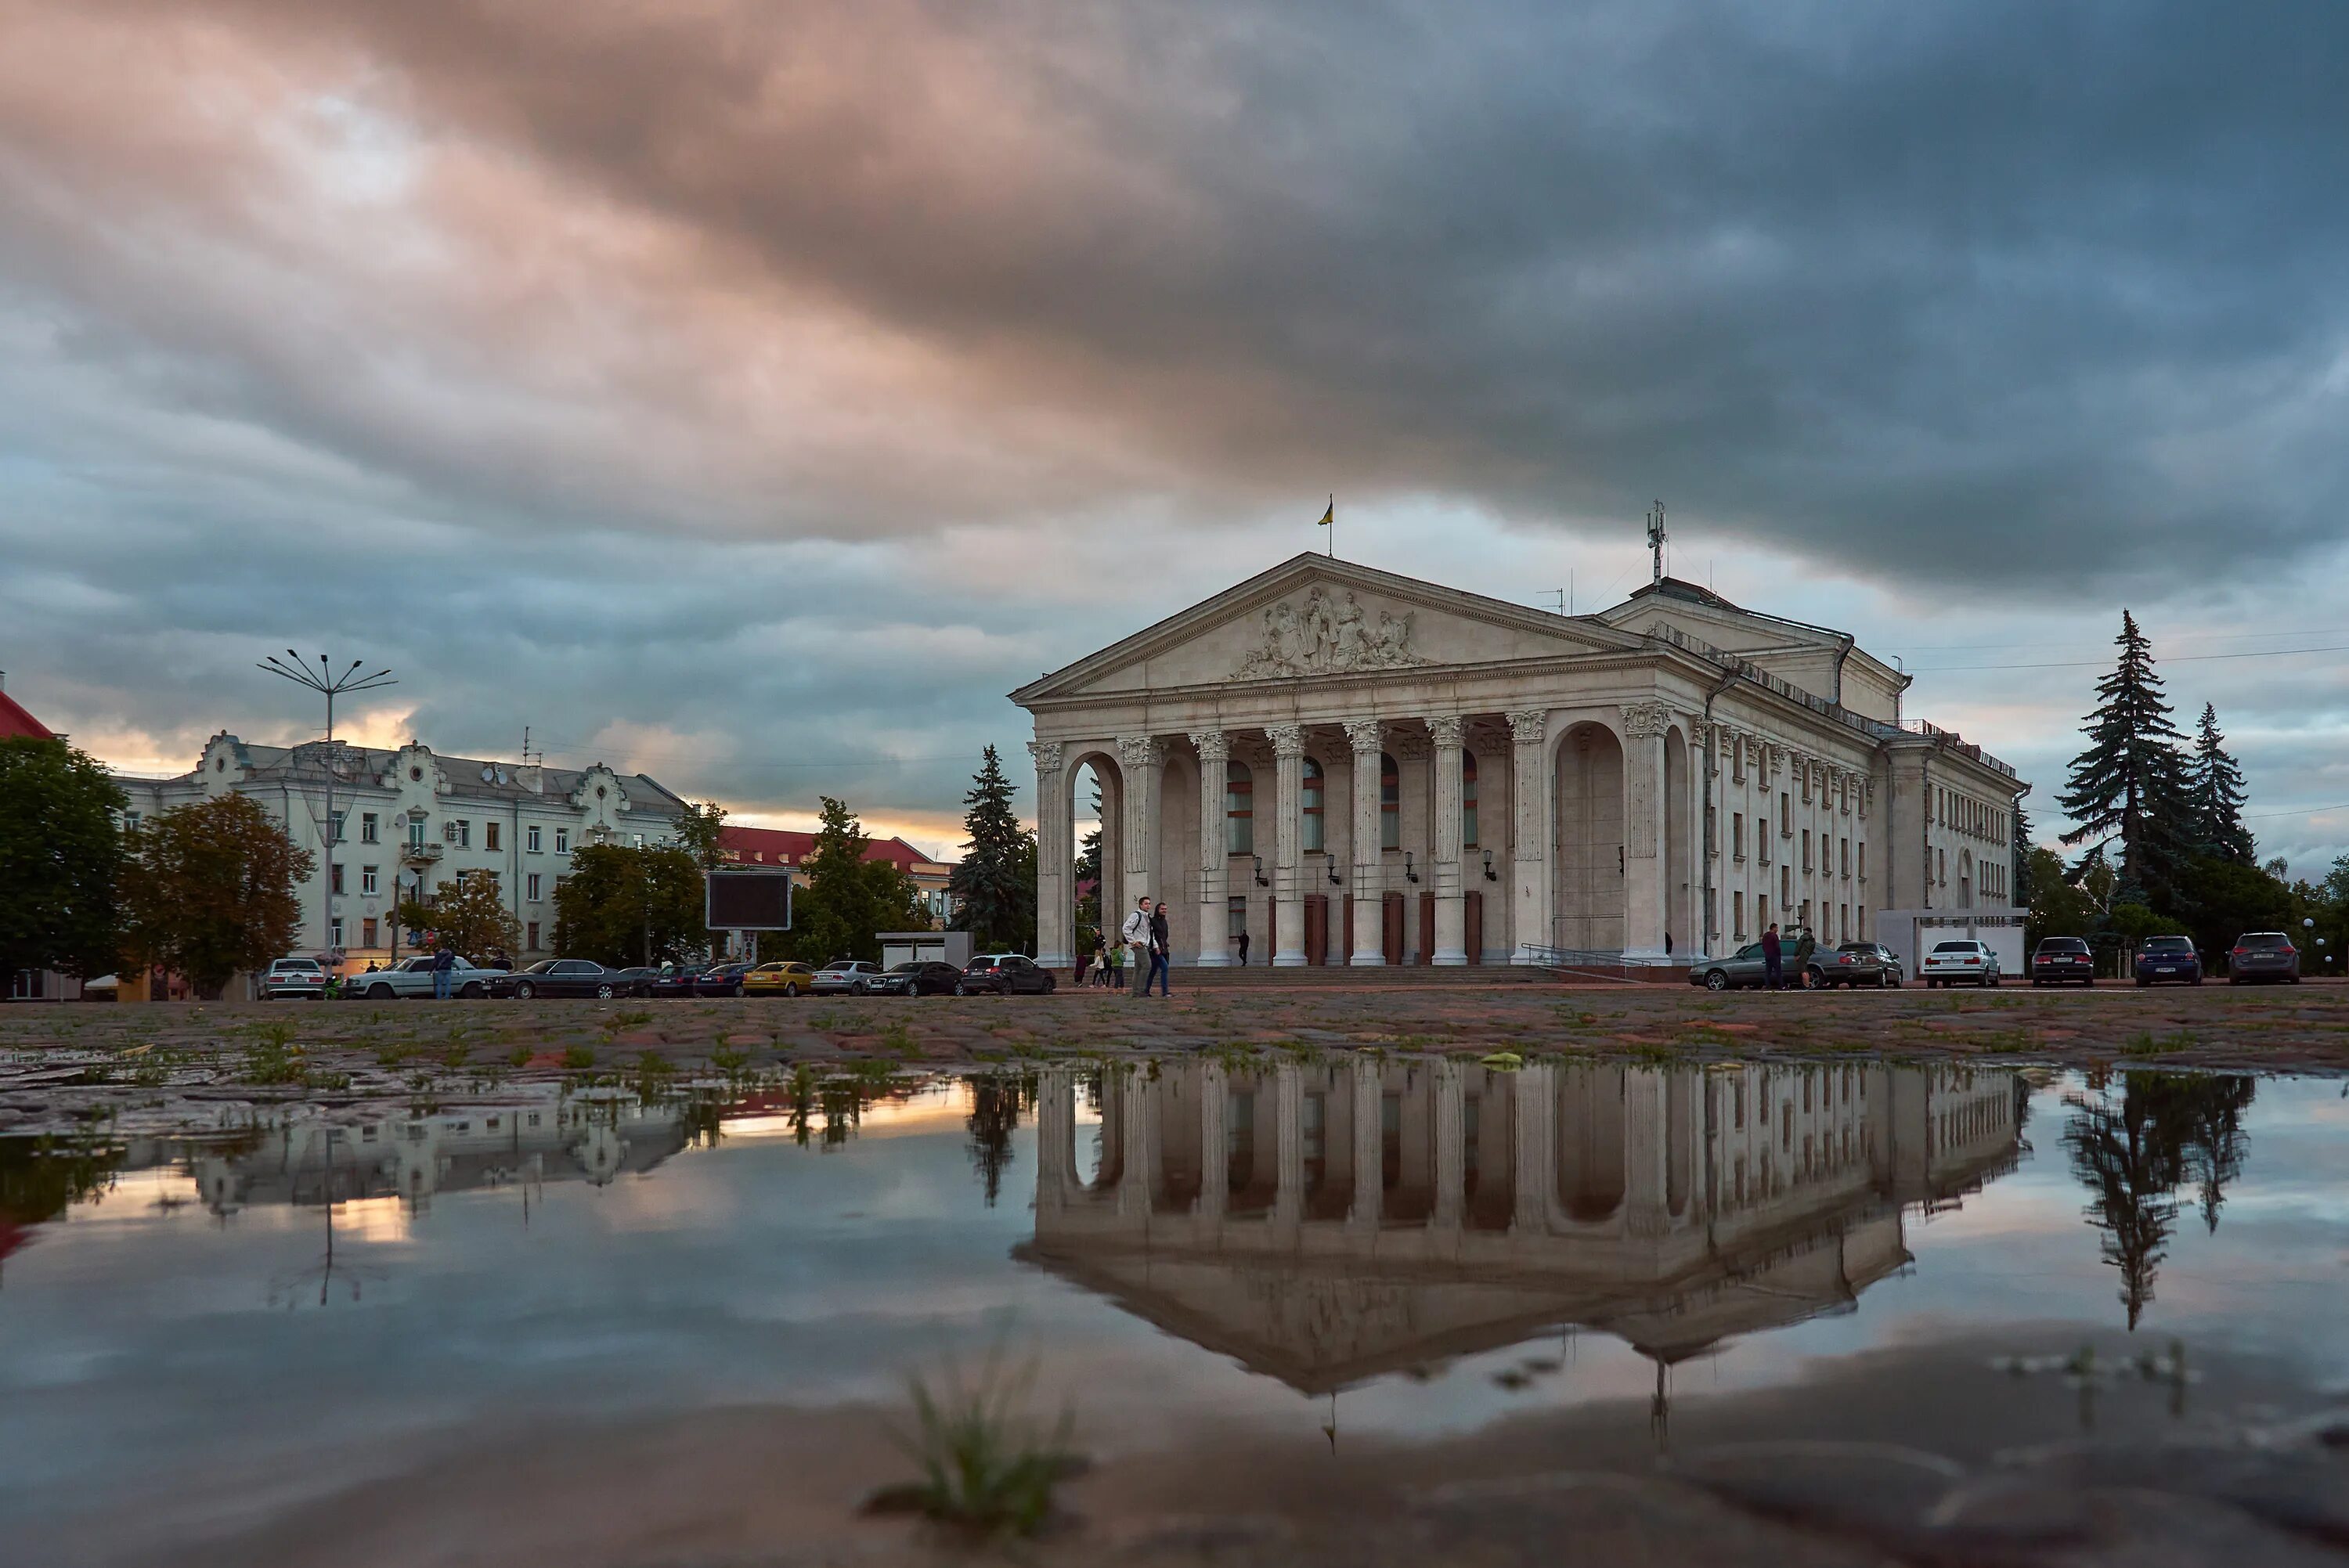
x: 2169, y: 958
x: 2263, y: 955
x: 2061, y: 961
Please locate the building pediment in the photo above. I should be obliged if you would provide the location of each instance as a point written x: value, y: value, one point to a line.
x: 1313, y: 617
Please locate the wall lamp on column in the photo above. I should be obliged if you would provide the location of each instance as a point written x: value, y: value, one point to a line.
x: 1333, y: 874
x: 1259, y: 872
x: 1490, y: 874
x: 1408, y: 873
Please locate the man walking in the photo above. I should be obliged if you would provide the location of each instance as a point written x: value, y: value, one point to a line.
x: 1161, y: 952
x: 1805, y: 946
x: 1773, y: 975
x: 1136, y: 936
x: 444, y: 971
x: 1244, y: 947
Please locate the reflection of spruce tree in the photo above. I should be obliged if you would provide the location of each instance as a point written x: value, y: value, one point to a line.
x: 2133, y: 1155
x: 995, y: 1100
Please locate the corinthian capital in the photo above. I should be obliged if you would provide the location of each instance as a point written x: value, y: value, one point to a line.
x: 1047, y: 754
x: 1529, y: 726
x: 1365, y: 735
x: 1138, y: 750
x: 1288, y: 740
x: 1213, y: 745
x: 1646, y: 720
x: 1444, y: 731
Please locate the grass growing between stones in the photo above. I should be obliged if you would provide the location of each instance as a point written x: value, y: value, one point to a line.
x: 987, y: 1469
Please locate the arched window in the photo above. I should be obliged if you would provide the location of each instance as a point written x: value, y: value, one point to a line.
x: 1965, y: 879
x: 1390, y: 803
x: 1239, y: 809
x: 1468, y: 798
x: 1313, y: 814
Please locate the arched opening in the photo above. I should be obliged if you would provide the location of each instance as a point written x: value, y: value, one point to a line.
x: 1097, y: 889
x: 1965, y: 879
x: 1588, y: 902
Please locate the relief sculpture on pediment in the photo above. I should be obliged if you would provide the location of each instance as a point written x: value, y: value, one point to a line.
x: 1328, y: 634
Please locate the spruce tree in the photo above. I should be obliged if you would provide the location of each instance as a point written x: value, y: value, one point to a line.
x: 2131, y: 782
x: 2022, y: 848
x: 2218, y: 794
x: 994, y: 887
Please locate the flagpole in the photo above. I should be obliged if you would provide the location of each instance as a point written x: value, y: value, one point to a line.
x: 1333, y: 525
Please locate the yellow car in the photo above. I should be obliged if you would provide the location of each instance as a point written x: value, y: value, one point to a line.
x: 782, y: 979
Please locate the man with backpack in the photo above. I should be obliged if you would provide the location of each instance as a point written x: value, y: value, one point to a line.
x: 1136, y: 935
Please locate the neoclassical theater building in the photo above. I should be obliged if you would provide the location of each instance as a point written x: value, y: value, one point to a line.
x: 1354, y: 766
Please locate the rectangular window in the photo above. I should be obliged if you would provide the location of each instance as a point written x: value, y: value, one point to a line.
x: 1786, y: 887
x: 1235, y: 917
x: 338, y: 876
x: 368, y: 931
x: 1389, y: 804
x: 562, y: 841
x: 1785, y: 815
x: 367, y: 880
x: 368, y: 829
x: 335, y: 932
x: 531, y: 941
x: 1737, y: 914
x: 1805, y: 922
x: 416, y: 832
x: 457, y: 833
x: 529, y: 837
x: 1737, y: 834
x: 1806, y: 851
x: 1737, y: 762
x: 339, y: 825
x: 532, y: 887
x: 1863, y: 922
x: 1843, y: 858
x: 1863, y: 860
x: 1761, y: 912
x: 1239, y: 810
x: 130, y: 821
x: 1806, y: 786
x: 490, y: 834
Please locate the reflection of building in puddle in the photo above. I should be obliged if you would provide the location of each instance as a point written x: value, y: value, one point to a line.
x: 1328, y: 1223
x: 411, y: 1158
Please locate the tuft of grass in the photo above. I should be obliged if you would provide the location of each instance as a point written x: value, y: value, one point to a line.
x: 579, y: 1057
x: 619, y: 1021
x: 519, y: 1056
x: 985, y: 1472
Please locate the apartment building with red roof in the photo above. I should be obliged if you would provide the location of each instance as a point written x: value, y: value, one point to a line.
x: 784, y: 847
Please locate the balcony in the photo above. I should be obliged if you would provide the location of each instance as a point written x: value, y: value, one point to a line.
x: 420, y: 855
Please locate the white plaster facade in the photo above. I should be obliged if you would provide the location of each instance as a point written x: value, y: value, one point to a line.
x: 411, y: 814
x: 1661, y: 778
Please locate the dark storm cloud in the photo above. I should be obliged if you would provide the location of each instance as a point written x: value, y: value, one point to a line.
x: 791, y: 380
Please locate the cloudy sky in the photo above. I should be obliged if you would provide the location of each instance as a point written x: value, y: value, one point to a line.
x: 754, y: 392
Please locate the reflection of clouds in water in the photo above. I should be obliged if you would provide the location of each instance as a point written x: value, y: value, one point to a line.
x: 737, y: 1275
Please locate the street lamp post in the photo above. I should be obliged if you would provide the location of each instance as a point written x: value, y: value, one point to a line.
x: 329, y: 686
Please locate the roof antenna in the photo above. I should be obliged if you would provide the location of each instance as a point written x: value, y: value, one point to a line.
x: 1656, y: 538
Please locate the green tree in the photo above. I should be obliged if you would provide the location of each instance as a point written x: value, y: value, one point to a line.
x: 2021, y: 885
x: 1088, y: 880
x: 848, y: 900
x: 2216, y: 791
x: 2131, y: 781
x: 60, y: 858
x: 624, y: 904
x: 701, y: 832
x: 468, y: 915
x: 207, y: 889
x: 2058, y: 906
x: 994, y: 886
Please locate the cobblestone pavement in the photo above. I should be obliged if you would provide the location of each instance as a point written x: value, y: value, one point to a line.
x: 73, y: 1060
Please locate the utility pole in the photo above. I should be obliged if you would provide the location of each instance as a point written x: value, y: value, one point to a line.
x: 330, y: 685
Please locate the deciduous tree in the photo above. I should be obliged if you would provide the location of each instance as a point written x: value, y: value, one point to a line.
x: 207, y: 889
x: 625, y: 904
x: 699, y: 832
x: 848, y: 900
x: 60, y: 857
x: 469, y: 916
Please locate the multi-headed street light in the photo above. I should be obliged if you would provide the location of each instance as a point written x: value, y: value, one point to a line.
x: 330, y: 685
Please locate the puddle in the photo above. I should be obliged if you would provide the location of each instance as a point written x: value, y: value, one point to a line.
x: 600, y: 1327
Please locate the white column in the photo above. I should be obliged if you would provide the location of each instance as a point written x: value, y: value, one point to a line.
x: 1451, y: 913
x: 1370, y: 1148
x: 1215, y: 941
x: 1287, y: 845
x: 1645, y: 902
x: 1451, y: 1147
x: 1056, y: 1123
x: 1215, y: 1145
x: 1289, y: 1159
x: 1140, y: 759
x: 1365, y: 735
x: 1137, y: 1149
x: 1530, y: 791
x: 1643, y: 1152
x: 1055, y: 858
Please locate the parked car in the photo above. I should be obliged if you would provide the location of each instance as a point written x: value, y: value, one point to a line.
x: 413, y: 977
x: 722, y: 979
x: 1961, y: 961
x: 1853, y: 964
x: 785, y: 977
x: 853, y: 976
x: 1738, y: 970
x: 560, y: 978
x: 671, y: 980
x: 2263, y: 955
x: 918, y: 977
x: 2169, y: 958
x: 1003, y: 974
x: 293, y: 977
x: 638, y: 977
x: 2063, y: 961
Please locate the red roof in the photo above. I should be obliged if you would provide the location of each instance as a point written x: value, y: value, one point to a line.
x: 15, y: 720
x: 782, y: 847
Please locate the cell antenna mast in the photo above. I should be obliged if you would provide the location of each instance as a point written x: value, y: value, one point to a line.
x: 1656, y: 538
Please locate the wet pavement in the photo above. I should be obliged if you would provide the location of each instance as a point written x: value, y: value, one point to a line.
x: 1300, y: 1306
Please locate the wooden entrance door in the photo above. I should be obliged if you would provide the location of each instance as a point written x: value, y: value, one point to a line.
x: 1391, y: 927
x: 1427, y: 928
x: 1317, y: 929
x: 1473, y: 919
